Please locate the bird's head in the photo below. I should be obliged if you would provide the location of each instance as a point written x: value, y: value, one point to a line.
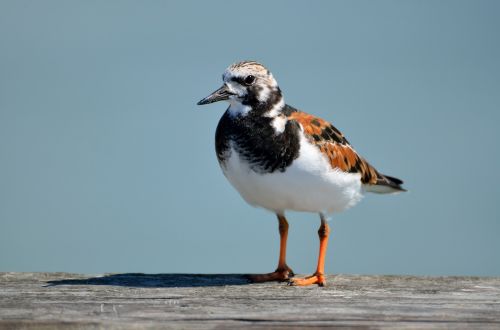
x: 248, y: 86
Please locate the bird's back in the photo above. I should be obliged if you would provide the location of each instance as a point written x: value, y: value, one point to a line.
x: 341, y: 155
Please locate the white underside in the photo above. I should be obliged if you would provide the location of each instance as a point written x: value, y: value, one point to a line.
x: 309, y: 184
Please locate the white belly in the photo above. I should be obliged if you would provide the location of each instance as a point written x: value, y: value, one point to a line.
x: 309, y: 184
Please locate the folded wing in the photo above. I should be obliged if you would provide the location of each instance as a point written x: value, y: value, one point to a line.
x: 332, y: 143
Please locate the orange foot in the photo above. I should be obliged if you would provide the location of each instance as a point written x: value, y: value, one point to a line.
x: 280, y: 274
x: 316, y: 278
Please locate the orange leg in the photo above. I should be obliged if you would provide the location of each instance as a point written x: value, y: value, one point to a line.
x: 319, y: 276
x: 283, y: 272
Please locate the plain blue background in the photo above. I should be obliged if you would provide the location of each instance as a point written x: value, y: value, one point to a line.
x: 107, y: 164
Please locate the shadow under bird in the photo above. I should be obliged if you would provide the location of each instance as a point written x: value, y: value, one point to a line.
x: 280, y: 158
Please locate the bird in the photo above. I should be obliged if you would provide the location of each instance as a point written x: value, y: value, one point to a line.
x: 281, y: 159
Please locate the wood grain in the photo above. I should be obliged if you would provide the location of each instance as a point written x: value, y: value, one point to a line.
x: 117, y: 301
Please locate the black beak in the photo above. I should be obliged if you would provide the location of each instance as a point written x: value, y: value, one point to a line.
x: 219, y: 95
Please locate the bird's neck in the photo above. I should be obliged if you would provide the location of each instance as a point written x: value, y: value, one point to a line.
x: 268, y: 103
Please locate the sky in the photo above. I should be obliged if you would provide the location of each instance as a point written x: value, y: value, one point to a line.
x: 108, y: 165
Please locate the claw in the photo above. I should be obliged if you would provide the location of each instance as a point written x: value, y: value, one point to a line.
x: 280, y: 275
x: 318, y: 279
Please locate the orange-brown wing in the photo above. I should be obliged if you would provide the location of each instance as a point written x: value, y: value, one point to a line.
x: 335, y: 146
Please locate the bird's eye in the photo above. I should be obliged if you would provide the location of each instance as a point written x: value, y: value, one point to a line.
x: 249, y: 80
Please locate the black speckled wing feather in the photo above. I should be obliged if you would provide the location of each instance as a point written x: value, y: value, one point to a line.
x: 332, y: 143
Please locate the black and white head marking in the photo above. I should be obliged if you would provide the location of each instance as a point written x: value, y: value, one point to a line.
x: 255, y: 125
x: 253, y: 88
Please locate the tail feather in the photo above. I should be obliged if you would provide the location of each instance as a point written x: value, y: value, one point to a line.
x: 393, y: 180
x: 386, y: 185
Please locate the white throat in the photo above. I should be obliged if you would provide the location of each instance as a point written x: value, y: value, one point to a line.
x: 238, y: 109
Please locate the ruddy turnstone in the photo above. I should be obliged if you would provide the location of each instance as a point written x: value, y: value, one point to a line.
x: 280, y: 158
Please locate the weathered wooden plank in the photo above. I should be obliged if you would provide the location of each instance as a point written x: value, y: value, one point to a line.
x: 60, y: 300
